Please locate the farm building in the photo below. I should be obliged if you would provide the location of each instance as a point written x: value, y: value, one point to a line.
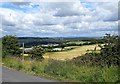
x: 50, y: 45
x: 67, y: 48
x: 57, y: 49
x: 26, y: 49
x: 61, y: 49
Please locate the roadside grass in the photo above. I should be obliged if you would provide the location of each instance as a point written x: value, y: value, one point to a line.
x: 83, y: 73
x: 70, y: 54
x: 64, y: 71
x: 28, y: 66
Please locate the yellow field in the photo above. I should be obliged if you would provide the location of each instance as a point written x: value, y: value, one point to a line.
x: 25, y: 55
x: 77, y: 42
x: 64, y: 55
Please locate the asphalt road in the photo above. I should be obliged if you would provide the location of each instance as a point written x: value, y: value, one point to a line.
x: 9, y: 75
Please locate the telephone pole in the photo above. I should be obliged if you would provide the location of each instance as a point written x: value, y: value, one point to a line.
x: 23, y: 52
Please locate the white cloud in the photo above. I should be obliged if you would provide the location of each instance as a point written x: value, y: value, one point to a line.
x: 61, y: 19
x: 106, y: 11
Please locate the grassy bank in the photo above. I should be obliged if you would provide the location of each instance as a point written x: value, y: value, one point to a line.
x: 28, y: 66
x: 67, y: 70
x: 64, y: 71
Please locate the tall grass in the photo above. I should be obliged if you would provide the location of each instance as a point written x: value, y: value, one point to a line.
x: 83, y: 73
x: 65, y: 71
x: 29, y: 66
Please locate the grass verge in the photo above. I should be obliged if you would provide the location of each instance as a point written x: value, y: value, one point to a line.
x: 64, y: 71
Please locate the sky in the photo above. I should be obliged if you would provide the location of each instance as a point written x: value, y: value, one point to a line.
x: 59, y: 19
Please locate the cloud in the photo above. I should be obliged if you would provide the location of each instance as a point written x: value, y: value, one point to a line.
x: 60, y: 19
x: 107, y: 11
x: 19, y: 3
x: 66, y: 9
x: 99, y: 0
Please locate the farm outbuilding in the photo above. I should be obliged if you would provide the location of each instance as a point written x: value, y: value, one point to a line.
x: 57, y: 49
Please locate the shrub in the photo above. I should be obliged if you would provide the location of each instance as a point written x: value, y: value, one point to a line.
x: 37, y: 53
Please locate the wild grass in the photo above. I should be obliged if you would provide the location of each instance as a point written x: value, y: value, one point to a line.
x: 83, y: 73
x: 64, y: 71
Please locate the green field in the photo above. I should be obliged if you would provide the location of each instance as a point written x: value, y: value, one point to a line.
x: 64, y: 55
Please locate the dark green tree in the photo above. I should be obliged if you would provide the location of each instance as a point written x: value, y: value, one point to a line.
x: 10, y: 46
x: 37, y: 53
x: 110, y: 52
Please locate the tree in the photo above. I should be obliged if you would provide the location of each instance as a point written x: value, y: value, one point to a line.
x: 37, y: 53
x: 10, y: 45
x: 110, y: 52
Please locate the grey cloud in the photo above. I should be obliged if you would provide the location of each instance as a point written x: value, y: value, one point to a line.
x: 18, y: 3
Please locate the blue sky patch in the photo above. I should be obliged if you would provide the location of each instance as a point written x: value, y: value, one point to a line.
x: 23, y: 7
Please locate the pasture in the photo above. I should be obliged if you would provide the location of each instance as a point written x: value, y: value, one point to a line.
x: 69, y: 54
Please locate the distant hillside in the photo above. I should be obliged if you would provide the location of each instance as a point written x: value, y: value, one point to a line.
x: 31, y: 41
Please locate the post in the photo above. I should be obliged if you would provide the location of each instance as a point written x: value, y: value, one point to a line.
x: 23, y: 52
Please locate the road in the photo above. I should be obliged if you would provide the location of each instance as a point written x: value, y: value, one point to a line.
x: 9, y: 75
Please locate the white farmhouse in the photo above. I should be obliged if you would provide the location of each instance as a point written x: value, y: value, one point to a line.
x: 57, y: 49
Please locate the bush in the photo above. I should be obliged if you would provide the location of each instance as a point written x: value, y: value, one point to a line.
x: 37, y: 53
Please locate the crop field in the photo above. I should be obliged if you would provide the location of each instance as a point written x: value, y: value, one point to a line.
x: 76, y: 42
x: 64, y: 55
